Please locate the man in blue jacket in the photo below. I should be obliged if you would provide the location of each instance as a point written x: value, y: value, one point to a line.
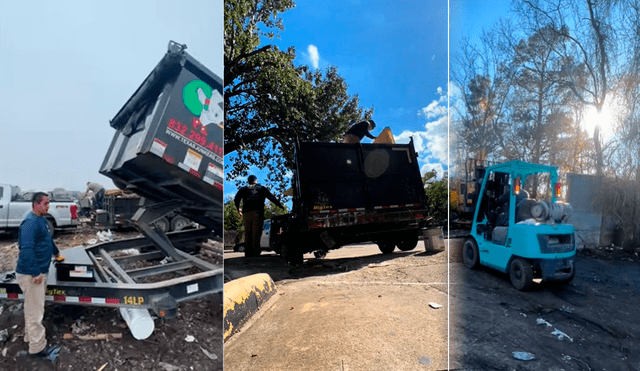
x: 36, y: 249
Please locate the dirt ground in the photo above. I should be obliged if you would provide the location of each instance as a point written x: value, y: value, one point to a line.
x: 191, y: 341
x: 590, y: 323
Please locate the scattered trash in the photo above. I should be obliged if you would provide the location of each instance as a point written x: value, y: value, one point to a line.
x: 523, y: 356
x: 165, y: 260
x: 4, y: 352
x: 211, y: 356
x: 435, y: 306
x: 105, y: 236
x: 4, y: 335
x: 115, y: 335
x: 169, y: 367
x: 506, y: 314
x: 523, y: 315
x: 540, y: 321
x: 425, y: 361
x: 103, y: 366
x: 566, y: 309
x: 131, y: 251
x: 566, y: 358
x: 1, y: 309
x: 92, y: 241
x: 190, y: 339
x: 561, y: 334
x: 373, y: 265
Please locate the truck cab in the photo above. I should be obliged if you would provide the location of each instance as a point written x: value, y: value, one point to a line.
x: 515, y: 232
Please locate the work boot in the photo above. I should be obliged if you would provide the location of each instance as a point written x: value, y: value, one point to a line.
x: 50, y: 352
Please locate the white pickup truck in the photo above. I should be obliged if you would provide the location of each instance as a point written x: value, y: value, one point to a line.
x: 14, y: 206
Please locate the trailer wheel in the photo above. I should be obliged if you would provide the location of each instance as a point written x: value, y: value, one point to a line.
x: 179, y: 223
x: 521, y: 274
x: 386, y: 247
x: 470, y: 254
x: 408, y: 241
x: 162, y: 225
x: 52, y: 227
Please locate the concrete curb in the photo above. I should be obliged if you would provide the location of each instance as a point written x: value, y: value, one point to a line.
x: 243, y: 297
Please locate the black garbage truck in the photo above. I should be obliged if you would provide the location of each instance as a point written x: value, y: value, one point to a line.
x: 350, y: 193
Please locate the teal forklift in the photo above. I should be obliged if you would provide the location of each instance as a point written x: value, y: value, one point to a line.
x: 524, y: 234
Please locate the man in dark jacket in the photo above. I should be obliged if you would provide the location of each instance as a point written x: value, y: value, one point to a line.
x: 36, y: 248
x: 252, y: 212
x: 358, y: 131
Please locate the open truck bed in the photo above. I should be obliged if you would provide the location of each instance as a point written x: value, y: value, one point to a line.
x: 168, y: 149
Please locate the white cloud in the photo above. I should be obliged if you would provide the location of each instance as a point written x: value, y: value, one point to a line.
x: 314, y: 56
x: 433, y: 110
x: 428, y: 167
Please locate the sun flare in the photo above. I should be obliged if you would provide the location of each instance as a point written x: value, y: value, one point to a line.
x: 605, y: 119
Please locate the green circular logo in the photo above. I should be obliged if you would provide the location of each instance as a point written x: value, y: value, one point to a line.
x: 190, y: 95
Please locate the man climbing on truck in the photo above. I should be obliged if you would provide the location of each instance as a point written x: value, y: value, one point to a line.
x: 358, y: 131
x: 253, y: 196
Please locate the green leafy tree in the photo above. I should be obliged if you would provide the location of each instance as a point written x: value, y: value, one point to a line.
x: 269, y: 102
x: 232, y: 219
x: 437, y: 192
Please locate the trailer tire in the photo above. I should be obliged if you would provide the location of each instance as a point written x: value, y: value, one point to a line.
x: 521, y: 274
x: 51, y: 225
x: 408, y: 241
x: 386, y: 247
x: 179, y: 223
x: 162, y: 225
x: 470, y: 254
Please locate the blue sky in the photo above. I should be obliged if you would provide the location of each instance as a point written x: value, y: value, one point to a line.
x: 66, y: 69
x: 392, y: 55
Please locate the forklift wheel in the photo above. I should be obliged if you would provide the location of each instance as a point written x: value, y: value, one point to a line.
x: 521, y: 274
x: 470, y: 253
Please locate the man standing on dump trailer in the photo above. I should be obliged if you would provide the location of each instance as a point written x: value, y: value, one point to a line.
x: 358, y: 131
x: 252, y: 212
x: 36, y: 248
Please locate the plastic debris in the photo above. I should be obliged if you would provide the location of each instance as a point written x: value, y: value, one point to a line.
x: 92, y: 241
x: 169, y: 367
x: 566, y: 358
x: 540, y: 321
x: 4, y: 335
x: 435, y: 305
x: 566, y: 309
x: 4, y: 352
x: 523, y: 315
x: 211, y: 356
x: 523, y: 356
x: 561, y: 334
x: 190, y: 339
x: 105, y: 236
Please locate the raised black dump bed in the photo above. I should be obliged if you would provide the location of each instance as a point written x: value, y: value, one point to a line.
x: 168, y: 149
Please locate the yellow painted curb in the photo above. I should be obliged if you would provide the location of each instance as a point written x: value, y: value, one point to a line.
x: 243, y: 297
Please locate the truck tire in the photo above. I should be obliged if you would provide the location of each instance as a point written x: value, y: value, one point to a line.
x: 51, y: 225
x: 162, y: 225
x: 470, y: 254
x: 179, y: 223
x: 521, y: 274
x: 289, y: 254
x: 386, y: 247
x: 408, y: 241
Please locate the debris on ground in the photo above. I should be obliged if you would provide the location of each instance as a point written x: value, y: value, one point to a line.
x: 561, y: 335
x: 523, y: 356
x: 435, y: 305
